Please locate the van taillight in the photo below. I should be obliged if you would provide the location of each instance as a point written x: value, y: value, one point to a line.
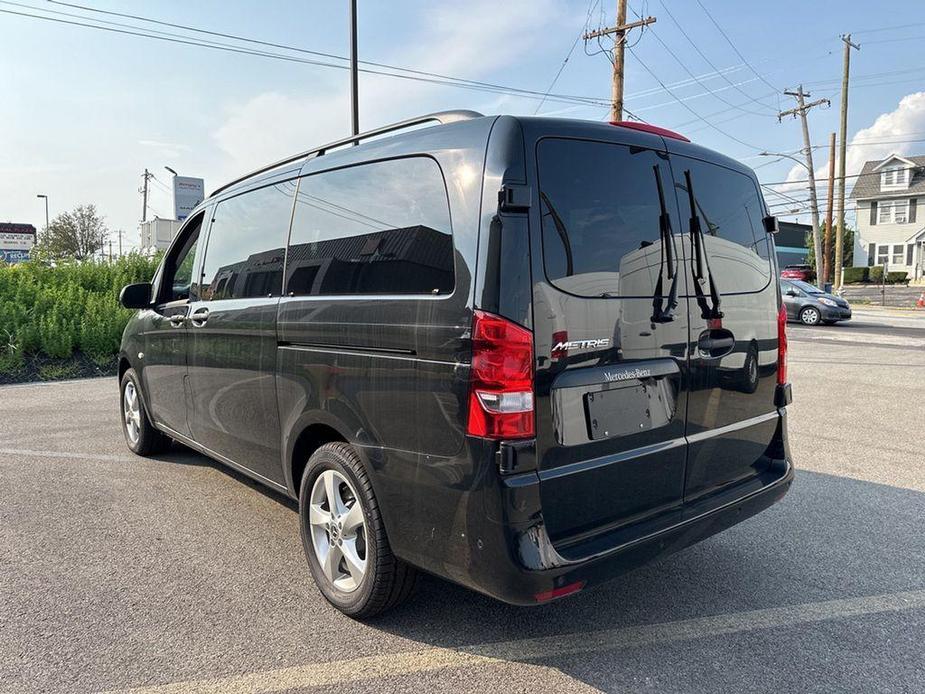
x: 501, y: 380
x: 782, y: 345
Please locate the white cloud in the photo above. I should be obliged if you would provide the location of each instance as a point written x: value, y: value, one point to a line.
x: 890, y: 133
x: 466, y: 39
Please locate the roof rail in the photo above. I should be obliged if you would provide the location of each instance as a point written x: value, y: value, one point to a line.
x: 441, y: 117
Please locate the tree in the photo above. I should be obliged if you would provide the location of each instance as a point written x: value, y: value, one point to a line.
x: 77, y: 234
x: 847, y: 249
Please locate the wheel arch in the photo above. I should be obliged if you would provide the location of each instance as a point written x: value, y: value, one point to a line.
x: 306, y: 437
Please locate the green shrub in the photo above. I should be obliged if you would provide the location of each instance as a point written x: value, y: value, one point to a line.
x: 71, y: 307
x: 854, y: 275
x: 876, y: 274
x: 897, y: 277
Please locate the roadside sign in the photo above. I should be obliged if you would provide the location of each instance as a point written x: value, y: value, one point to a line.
x: 187, y: 193
x: 16, y: 242
x: 13, y: 256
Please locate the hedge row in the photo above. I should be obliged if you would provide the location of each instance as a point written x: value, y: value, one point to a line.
x: 57, y: 311
x: 856, y: 275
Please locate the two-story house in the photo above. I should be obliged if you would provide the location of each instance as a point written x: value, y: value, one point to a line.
x: 887, y: 195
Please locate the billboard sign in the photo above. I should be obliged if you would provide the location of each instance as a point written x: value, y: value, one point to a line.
x: 16, y: 240
x: 13, y: 256
x: 187, y: 193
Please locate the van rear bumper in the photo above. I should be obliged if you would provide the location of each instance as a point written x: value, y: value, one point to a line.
x: 534, y: 570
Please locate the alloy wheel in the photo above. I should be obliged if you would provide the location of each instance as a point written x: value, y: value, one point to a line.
x: 338, y: 530
x: 131, y: 411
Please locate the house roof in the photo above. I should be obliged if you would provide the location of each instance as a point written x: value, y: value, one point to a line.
x: 892, y: 157
x: 867, y: 185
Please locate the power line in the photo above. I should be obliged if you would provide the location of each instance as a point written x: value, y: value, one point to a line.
x: 688, y: 71
x: 738, y: 53
x: 511, y: 91
x: 568, y: 55
x: 693, y: 112
x: 710, y: 62
x: 271, y: 44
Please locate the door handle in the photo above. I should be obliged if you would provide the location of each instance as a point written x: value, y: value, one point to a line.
x: 177, y: 319
x: 715, y: 343
x: 200, y: 317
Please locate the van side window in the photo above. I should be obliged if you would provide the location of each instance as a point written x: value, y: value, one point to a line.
x: 378, y: 228
x: 600, y: 217
x: 178, y: 277
x: 731, y: 212
x: 247, y: 244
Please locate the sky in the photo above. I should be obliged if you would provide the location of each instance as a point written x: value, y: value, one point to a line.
x: 85, y: 111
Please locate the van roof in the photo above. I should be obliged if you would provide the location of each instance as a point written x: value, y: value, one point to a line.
x: 646, y: 134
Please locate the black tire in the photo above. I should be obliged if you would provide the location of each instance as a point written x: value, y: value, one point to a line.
x: 148, y: 441
x: 810, y: 316
x: 387, y: 580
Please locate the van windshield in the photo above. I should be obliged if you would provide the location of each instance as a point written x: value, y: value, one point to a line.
x: 600, y: 212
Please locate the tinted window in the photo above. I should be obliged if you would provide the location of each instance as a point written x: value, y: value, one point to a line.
x: 380, y: 228
x: 247, y: 244
x: 600, y: 212
x: 731, y: 214
x: 179, y: 267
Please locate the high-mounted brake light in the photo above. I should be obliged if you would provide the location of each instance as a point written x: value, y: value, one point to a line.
x: 782, y: 345
x: 646, y: 128
x: 501, y: 380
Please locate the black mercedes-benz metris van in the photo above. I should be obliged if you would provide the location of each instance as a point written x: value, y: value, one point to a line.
x: 522, y: 354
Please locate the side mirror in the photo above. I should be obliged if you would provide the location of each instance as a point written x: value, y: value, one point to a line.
x: 770, y: 224
x: 792, y: 292
x: 136, y: 295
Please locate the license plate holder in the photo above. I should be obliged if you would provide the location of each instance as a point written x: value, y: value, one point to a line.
x: 618, y: 411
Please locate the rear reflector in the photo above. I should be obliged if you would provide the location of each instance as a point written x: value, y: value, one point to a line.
x: 501, y: 380
x: 548, y: 595
x: 782, y: 345
x: 646, y: 128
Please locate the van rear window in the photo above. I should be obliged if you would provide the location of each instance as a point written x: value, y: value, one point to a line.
x: 600, y: 212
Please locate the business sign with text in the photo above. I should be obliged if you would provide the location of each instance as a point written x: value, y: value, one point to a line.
x: 187, y: 193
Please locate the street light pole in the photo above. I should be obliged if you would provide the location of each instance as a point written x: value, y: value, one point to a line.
x: 46, y: 209
x: 173, y: 192
x: 354, y: 76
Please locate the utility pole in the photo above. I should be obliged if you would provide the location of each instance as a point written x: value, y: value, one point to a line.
x: 840, y: 231
x: 120, y: 232
x: 354, y: 72
x: 827, y: 267
x: 147, y: 176
x: 801, y: 110
x: 619, y: 37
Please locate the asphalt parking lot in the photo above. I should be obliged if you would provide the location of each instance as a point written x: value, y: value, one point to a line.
x: 174, y: 574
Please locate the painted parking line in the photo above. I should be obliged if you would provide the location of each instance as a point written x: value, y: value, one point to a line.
x: 527, y: 650
x: 65, y: 454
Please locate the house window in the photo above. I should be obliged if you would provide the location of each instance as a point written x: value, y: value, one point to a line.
x: 883, y: 254
x: 894, y: 177
x: 893, y: 212
x: 898, y: 253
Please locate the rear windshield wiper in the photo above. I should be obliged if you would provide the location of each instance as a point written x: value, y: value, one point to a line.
x: 563, y: 234
x: 711, y: 312
x: 660, y: 312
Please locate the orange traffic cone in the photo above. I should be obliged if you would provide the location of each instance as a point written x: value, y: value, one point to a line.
x: 921, y: 302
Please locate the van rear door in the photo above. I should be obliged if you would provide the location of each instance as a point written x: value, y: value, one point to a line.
x: 611, y: 332
x: 731, y: 416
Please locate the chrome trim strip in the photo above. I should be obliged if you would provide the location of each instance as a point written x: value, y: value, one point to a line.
x: 594, y: 463
x: 735, y: 426
x: 199, y: 448
x: 360, y: 352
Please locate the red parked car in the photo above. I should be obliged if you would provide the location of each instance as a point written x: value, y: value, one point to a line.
x: 798, y: 272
